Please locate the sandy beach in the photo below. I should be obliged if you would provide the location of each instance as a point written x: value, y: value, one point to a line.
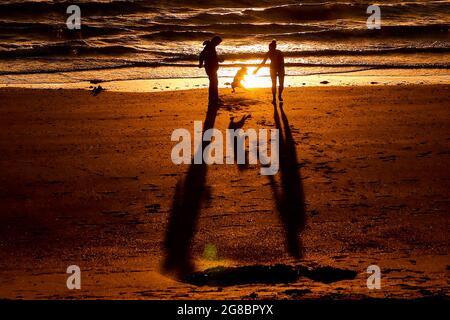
x: 88, y: 181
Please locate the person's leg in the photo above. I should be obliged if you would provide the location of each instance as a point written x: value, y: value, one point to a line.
x: 280, y: 90
x: 213, y: 86
x: 273, y: 76
x: 209, y: 73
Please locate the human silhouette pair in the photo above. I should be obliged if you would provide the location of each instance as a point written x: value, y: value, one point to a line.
x: 209, y: 59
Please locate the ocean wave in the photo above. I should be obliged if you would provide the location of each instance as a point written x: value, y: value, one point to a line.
x: 113, y: 7
x: 53, y: 31
x: 178, y: 35
x: 433, y: 31
x: 232, y: 29
x: 83, y: 48
x: 34, y: 8
x: 309, y: 12
x: 153, y: 64
x: 67, y: 49
x: 235, y: 30
x: 304, y: 12
x: 213, y: 10
x: 284, y: 13
x: 88, y: 30
x: 171, y: 57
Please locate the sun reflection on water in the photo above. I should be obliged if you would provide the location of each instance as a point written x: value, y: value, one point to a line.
x: 254, y: 81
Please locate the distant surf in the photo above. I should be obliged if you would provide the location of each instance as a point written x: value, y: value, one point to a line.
x: 117, y: 35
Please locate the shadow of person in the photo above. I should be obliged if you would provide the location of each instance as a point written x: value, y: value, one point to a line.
x: 186, y: 205
x: 289, y: 197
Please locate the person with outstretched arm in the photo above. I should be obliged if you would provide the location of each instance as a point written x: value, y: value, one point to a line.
x: 276, y: 69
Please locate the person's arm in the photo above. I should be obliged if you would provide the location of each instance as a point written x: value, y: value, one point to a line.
x: 217, y: 58
x: 262, y: 63
x: 201, y: 59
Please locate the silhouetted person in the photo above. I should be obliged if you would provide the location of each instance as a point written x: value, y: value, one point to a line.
x: 238, y: 78
x: 276, y: 69
x: 209, y: 59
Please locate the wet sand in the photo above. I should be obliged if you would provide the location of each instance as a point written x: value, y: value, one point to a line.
x: 88, y: 181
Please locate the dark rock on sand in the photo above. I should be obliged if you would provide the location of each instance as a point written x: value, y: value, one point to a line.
x: 97, y: 90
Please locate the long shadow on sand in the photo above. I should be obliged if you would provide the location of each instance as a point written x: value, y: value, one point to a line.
x: 191, y: 192
x: 290, y: 203
x: 289, y: 198
x: 187, y: 201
